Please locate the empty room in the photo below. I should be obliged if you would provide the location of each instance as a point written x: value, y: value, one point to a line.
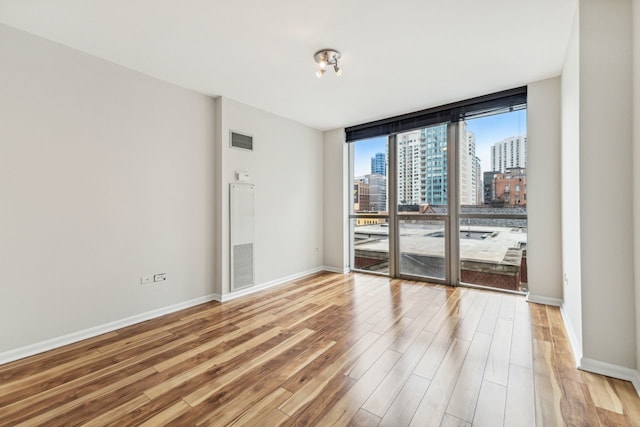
x: 367, y: 213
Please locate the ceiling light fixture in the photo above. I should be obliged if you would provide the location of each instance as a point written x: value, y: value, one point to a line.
x: 326, y: 57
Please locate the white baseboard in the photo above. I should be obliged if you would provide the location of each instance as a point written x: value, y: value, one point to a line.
x: 335, y: 270
x: 596, y: 366
x: 573, y: 338
x: 50, y: 344
x: 539, y: 299
x: 611, y: 370
x: 256, y: 288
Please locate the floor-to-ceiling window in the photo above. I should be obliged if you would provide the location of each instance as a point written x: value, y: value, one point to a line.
x: 441, y: 194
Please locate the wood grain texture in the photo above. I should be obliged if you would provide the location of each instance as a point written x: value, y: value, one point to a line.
x: 327, y: 349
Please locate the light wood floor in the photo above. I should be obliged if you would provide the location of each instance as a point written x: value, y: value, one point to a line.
x: 325, y: 350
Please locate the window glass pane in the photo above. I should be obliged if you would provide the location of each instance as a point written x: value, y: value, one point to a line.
x: 422, y: 248
x: 370, y: 242
x: 370, y: 228
x: 422, y: 170
x: 370, y: 164
x: 493, y: 201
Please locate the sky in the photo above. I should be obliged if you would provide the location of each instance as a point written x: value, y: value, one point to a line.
x: 488, y: 130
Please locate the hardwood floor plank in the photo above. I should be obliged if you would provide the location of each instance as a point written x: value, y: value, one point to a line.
x: 315, y: 386
x: 467, y: 328
x: 428, y: 365
x: 168, y: 415
x: 369, y: 357
x: 115, y: 413
x: 352, y: 401
x: 451, y: 421
x: 406, y: 402
x: 56, y: 395
x: 432, y: 407
x: 507, y: 307
x: 576, y: 407
x: 156, y: 391
x: 32, y: 365
x: 258, y: 411
x: 629, y: 398
x: 387, y: 390
x: 603, y: 394
x: 497, y: 369
x: 364, y: 419
x: 312, y: 411
x: 521, y: 348
x: 464, y: 398
x: 198, y: 396
x: 613, y: 419
x: 326, y: 349
x: 489, y: 411
x: 489, y: 317
x: 61, y: 410
x: 520, y: 406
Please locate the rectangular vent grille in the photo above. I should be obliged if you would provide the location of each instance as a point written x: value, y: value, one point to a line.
x: 242, y: 265
x: 239, y: 140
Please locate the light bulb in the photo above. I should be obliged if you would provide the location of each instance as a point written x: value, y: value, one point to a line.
x: 323, y: 63
x: 338, y: 70
x: 319, y: 73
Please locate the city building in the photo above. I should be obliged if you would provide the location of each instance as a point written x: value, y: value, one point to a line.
x: 361, y: 197
x: 509, y: 153
x: 379, y: 164
x: 509, y: 188
x: 377, y: 192
x: 411, y: 170
x: 487, y: 184
x: 422, y: 167
x: 467, y: 166
x: 478, y: 182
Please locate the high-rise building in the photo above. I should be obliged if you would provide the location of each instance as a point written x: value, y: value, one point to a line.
x: 422, y: 167
x: 410, y: 168
x: 379, y: 164
x: 467, y: 165
x: 478, y: 182
x: 435, y: 189
x: 509, y: 153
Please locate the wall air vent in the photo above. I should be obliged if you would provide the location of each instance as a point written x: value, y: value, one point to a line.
x: 241, y: 233
x: 244, y: 142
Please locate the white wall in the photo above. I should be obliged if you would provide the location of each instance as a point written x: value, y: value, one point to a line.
x: 105, y: 175
x: 286, y: 167
x: 544, y: 246
x: 597, y: 187
x: 636, y: 167
x: 606, y: 179
x: 335, y: 202
x: 570, y: 177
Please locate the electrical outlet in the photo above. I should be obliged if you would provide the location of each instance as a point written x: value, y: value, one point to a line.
x: 160, y: 277
x: 146, y: 279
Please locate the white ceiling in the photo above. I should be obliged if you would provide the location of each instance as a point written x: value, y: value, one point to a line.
x: 398, y: 56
